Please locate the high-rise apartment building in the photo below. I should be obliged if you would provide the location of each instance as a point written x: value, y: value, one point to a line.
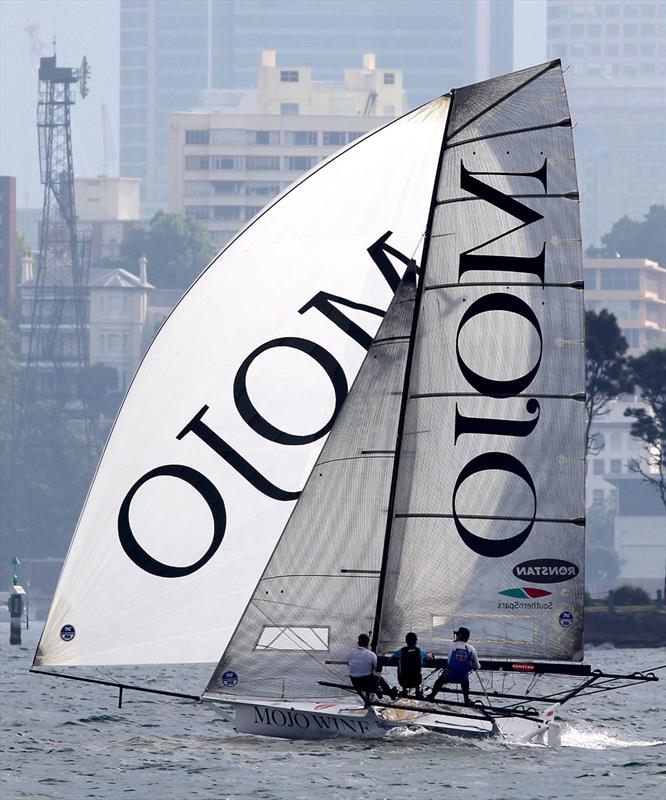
x: 616, y: 51
x: 170, y: 51
x: 226, y: 163
x: 634, y: 289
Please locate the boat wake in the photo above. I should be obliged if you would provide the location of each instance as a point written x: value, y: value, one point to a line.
x: 589, y: 737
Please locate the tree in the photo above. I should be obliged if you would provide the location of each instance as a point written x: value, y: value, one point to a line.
x: 177, y: 248
x: 649, y: 373
x: 605, y: 369
x: 44, y: 479
x: 628, y: 595
x: 630, y: 239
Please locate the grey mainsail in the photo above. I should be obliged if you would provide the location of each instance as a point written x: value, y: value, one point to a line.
x: 319, y: 588
x: 487, y: 527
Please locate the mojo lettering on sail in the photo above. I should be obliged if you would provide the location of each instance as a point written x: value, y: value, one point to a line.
x: 511, y: 385
x: 326, y: 304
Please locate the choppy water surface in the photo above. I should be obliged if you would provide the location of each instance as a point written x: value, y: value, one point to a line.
x: 69, y: 740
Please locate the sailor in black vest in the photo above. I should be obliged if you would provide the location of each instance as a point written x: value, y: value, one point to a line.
x: 461, y: 661
x: 411, y: 658
x: 362, y: 663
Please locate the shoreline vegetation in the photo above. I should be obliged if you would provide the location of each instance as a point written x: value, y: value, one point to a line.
x: 626, y: 626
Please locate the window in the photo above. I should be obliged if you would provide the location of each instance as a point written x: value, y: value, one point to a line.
x: 262, y: 162
x: 293, y: 638
x: 598, y: 466
x: 196, y: 137
x: 226, y: 162
x: 289, y: 76
x: 389, y: 78
x: 227, y: 212
x: 616, y: 465
x: 300, y: 163
x: 613, y: 31
x: 227, y: 187
x: 264, y: 137
x: 228, y: 136
x: 251, y: 211
x: 299, y: 138
x: 598, y: 496
x: 197, y: 162
x: 197, y: 188
x: 590, y: 276
x: 289, y: 109
x: 255, y: 188
x: 619, y: 279
x: 198, y: 212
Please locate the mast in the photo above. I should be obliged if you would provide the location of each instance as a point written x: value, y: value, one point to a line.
x: 405, y: 388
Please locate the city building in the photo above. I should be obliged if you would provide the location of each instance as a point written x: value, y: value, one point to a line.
x: 226, y: 163
x: 7, y: 247
x: 640, y: 534
x: 634, y: 289
x: 617, y: 447
x: 123, y: 314
x: 171, y: 51
x: 118, y: 313
x: 107, y: 209
x: 615, y: 52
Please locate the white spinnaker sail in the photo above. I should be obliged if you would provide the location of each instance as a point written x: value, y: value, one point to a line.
x: 487, y: 529
x: 233, y: 403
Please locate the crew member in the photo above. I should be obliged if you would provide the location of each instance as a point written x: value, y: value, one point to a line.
x: 462, y: 660
x: 362, y: 663
x: 409, y: 666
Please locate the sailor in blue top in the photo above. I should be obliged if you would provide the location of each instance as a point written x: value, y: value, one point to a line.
x: 462, y: 660
x: 409, y: 666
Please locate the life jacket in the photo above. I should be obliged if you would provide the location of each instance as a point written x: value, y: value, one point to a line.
x: 409, y: 668
x: 460, y: 665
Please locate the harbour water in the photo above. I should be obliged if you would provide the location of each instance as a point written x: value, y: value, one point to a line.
x: 68, y: 741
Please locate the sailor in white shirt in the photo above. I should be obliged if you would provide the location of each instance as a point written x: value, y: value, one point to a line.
x: 362, y: 663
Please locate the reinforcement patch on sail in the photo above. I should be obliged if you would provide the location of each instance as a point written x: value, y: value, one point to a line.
x: 488, y: 526
x: 319, y: 590
x: 232, y: 404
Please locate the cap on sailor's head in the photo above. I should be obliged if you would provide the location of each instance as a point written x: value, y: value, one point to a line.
x: 462, y: 633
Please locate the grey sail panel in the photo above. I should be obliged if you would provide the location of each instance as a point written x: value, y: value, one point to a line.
x: 319, y: 589
x: 491, y: 468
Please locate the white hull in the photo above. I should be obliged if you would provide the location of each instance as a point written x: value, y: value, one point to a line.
x: 308, y: 720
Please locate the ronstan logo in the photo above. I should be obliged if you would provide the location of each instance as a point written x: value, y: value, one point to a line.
x: 546, y: 570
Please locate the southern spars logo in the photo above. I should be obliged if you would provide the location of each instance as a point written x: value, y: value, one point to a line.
x: 229, y: 678
x: 546, y: 570
x: 67, y: 633
x: 526, y: 591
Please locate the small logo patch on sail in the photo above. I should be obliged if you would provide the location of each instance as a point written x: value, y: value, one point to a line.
x: 527, y: 591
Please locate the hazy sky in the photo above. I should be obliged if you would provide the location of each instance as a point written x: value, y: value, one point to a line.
x: 91, y: 27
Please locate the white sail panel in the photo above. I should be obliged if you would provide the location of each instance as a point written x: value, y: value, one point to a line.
x: 232, y: 404
x: 489, y: 499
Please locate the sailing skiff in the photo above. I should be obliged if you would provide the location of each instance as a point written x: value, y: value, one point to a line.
x: 367, y: 414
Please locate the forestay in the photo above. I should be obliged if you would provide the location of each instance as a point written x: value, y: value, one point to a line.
x: 232, y: 404
x: 487, y: 530
x: 320, y: 585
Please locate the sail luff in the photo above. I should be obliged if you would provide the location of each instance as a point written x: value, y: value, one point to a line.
x: 405, y: 391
